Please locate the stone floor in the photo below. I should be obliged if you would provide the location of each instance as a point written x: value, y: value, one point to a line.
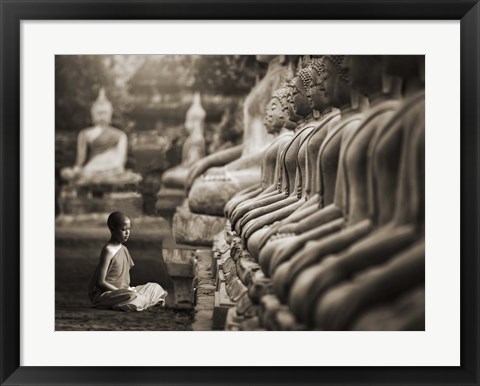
x: 73, y: 311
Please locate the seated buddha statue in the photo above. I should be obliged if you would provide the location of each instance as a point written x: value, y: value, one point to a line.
x: 193, y: 147
x: 276, y: 190
x: 324, y: 141
x: 101, y: 151
x: 286, y: 194
x: 354, y: 163
x: 212, y: 188
x: 276, y: 122
x: 390, y: 261
x: 335, y: 83
x: 327, y: 184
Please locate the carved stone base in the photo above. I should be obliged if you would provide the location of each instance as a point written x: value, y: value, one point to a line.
x: 77, y: 201
x: 181, y: 269
x: 168, y: 199
x: 195, y: 229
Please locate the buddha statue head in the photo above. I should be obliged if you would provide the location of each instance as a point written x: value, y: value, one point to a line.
x: 268, y: 118
x: 365, y: 73
x: 102, y: 110
x: 300, y: 103
x: 316, y: 87
x: 279, y: 109
x: 335, y: 79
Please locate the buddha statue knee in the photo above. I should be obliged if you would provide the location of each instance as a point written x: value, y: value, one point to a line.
x: 313, y: 252
x: 243, y: 195
x: 101, y: 151
x: 376, y: 248
x: 339, y: 307
x: 406, y: 313
x: 284, y: 252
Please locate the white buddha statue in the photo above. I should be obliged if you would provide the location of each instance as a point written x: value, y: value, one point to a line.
x: 101, y: 150
x: 193, y: 147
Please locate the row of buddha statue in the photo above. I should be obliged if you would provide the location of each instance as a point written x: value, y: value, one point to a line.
x: 327, y: 230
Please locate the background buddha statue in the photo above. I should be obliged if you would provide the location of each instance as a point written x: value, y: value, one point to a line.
x: 209, y: 193
x: 101, y: 150
x: 193, y: 147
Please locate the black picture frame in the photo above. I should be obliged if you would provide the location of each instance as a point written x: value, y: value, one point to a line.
x: 13, y: 11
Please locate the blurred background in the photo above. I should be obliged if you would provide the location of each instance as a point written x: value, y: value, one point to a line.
x: 150, y: 95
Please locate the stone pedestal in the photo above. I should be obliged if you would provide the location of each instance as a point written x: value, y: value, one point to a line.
x: 181, y: 269
x: 100, y: 198
x: 168, y: 199
x: 195, y: 229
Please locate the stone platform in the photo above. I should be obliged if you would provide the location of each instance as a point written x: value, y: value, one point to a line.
x: 101, y: 198
x: 195, y: 229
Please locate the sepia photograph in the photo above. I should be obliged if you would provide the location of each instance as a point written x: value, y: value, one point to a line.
x: 240, y: 192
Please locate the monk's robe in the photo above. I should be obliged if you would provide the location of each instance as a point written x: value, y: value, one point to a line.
x: 125, y: 298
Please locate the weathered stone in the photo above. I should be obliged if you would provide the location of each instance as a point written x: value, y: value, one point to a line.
x: 232, y: 322
x: 246, y: 268
x: 169, y: 199
x: 215, y: 262
x: 269, y: 305
x: 195, y: 229
x: 221, y: 305
x: 220, y: 279
x: 236, y: 289
x: 245, y: 307
x: 205, y: 292
x: 130, y: 203
x: 259, y: 287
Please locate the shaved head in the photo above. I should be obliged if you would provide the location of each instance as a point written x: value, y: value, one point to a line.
x: 116, y: 219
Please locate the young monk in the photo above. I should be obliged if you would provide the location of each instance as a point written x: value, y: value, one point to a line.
x: 110, y: 285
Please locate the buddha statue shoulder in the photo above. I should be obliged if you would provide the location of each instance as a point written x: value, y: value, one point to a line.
x: 101, y: 150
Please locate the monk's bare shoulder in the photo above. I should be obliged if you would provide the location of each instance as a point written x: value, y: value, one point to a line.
x: 107, y: 252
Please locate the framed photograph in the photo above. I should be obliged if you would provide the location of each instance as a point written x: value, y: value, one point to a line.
x: 243, y: 193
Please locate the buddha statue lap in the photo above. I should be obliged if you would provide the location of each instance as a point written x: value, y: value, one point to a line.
x: 405, y: 313
x: 210, y: 192
x: 340, y: 306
